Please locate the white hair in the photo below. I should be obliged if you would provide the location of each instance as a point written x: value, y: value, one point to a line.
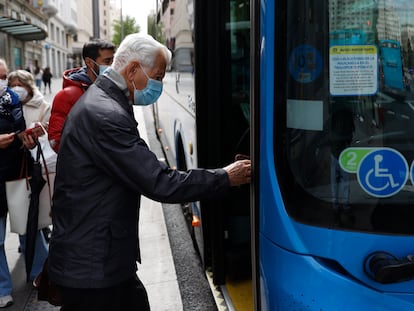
x: 25, y: 77
x: 140, y: 47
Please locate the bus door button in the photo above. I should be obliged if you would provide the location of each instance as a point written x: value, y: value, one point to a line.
x: 386, y: 268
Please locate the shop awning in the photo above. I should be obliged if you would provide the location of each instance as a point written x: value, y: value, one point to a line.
x: 22, y: 30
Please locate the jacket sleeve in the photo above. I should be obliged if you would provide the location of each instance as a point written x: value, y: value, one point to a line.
x: 62, y: 104
x: 16, y: 110
x: 47, y: 108
x: 120, y: 152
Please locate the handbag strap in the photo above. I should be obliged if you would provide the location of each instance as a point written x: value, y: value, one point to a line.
x: 39, y: 154
x: 24, y: 169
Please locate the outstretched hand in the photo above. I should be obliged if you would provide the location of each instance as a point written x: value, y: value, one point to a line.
x: 239, y: 172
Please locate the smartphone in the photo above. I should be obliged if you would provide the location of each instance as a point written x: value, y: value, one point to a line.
x: 37, y: 131
x: 29, y: 131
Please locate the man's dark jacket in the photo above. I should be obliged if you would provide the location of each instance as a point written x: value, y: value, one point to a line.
x: 103, y: 168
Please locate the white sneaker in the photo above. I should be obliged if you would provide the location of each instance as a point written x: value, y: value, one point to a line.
x: 6, y: 301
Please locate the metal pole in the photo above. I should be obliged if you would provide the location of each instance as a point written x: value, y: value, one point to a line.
x: 154, y: 23
x: 96, y: 27
x: 122, y: 25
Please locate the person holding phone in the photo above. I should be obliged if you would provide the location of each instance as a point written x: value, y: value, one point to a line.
x: 36, y: 111
x: 14, y: 146
x: 35, y: 107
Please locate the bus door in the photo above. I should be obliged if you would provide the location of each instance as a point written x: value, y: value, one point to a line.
x: 222, y: 73
x: 333, y: 154
x: 203, y: 120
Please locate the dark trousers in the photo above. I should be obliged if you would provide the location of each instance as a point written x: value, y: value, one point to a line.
x: 129, y: 295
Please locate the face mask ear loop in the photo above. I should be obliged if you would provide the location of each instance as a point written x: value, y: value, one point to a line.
x: 144, y: 71
x: 93, y: 69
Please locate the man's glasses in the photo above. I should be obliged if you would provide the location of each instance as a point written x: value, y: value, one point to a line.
x: 3, y: 77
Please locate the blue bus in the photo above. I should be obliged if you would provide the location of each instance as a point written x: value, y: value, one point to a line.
x: 332, y: 200
x: 327, y: 222
x: 391, y: 64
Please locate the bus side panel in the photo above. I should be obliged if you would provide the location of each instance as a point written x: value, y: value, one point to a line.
x: 174, y: 113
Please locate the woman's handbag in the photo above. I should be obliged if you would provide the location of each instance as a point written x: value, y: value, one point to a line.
x: 18, y: 198
x: 19, y: 193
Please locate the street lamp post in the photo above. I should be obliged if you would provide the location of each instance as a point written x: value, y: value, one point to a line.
x: 96, y: 28
x: 122, y: 25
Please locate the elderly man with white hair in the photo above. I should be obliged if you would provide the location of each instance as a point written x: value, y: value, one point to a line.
x: 103, y: 169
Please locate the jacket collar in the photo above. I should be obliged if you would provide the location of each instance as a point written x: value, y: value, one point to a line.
x: 113, y: 91
x: 117, y: 79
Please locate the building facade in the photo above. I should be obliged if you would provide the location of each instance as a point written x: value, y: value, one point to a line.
x: 22, y: 29
x: 50, y: 33
x: 177, y: 21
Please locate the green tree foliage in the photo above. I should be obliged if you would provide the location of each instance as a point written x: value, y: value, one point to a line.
x: 129, y: 26
x: 155, y: 29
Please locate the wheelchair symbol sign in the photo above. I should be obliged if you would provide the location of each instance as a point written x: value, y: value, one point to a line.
x: 382, y: 172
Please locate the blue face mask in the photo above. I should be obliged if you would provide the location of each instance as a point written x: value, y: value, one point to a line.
x: 149, y: 94
x: 102, y: 68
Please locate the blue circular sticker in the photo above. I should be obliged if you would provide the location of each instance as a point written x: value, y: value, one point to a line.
x: 383, y: 172
x: 305, y: 63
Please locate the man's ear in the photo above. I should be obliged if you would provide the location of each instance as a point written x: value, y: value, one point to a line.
x: 87, y: 61
x: 131, y: 69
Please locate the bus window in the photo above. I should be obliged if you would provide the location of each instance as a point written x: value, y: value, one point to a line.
x: 348, y: 130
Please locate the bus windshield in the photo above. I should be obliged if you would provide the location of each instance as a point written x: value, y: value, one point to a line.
x: 345, y: 117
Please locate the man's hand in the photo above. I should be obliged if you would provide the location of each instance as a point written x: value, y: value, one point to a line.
x: 239, y: 172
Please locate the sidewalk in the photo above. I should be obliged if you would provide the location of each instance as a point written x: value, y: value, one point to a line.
x: 157, y: 270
